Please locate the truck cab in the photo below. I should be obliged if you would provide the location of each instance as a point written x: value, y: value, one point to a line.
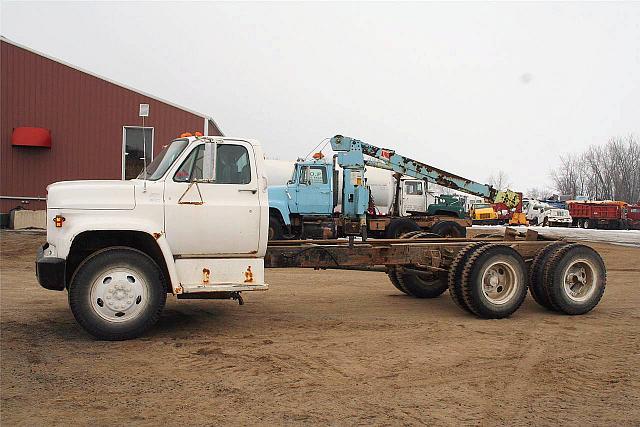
x: 448, y: 205
x: 311, y: 192
x: 542, y: 213
x: 194, y: 226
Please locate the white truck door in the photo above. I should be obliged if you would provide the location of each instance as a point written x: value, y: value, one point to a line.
x: 414, y: 197
x: 212, y: 204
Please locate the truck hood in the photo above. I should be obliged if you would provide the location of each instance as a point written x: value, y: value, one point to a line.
x: 91, y: 195
x: 559, y: 213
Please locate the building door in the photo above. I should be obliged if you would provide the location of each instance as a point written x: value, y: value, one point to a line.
x: 133, y: 138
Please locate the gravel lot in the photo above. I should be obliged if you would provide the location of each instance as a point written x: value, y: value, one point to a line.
x: 321, y: 347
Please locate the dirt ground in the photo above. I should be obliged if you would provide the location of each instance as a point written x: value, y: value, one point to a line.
x: 321, y: 347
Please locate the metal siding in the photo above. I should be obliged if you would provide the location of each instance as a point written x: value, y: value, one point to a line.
x: 85, y: 115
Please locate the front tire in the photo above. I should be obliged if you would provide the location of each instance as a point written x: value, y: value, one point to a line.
x: 275, y: 229
x: 117, y: 293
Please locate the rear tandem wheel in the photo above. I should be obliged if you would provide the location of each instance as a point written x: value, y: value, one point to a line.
x: 431, y: 286
x: 455, y: 274
x: 575, y: 278
x: 493, y: 281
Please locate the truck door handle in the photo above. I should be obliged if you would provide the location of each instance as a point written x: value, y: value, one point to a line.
x: 252, y: 190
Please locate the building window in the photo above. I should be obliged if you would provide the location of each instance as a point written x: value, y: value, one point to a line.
x: 134, y: 138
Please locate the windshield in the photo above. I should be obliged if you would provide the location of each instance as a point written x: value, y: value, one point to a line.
x: 481, y: 205
x: 164, y: 159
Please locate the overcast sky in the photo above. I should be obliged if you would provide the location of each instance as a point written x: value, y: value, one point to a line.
x: 467, y: 87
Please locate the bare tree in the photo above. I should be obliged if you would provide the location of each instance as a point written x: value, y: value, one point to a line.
x: 607, y: 172
x: 499, y: 180
x: 538, y: 193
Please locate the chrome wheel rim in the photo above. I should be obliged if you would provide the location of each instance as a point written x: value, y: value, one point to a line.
x: 499, y: 283
x: 119, y: 295
x: 579, y: 280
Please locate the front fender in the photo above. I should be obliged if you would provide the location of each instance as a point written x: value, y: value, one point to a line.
x: 282, y: 207
x: 77, y: 222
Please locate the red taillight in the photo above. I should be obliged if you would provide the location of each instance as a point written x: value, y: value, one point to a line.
x: 58, y: 220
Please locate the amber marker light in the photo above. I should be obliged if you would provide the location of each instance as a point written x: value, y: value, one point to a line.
x: 58, y: 220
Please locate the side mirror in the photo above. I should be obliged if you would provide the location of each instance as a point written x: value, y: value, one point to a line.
x: 209, y: 162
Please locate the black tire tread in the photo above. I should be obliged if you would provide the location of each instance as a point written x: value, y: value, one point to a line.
x: 416, y: 290
x: 551, y: 277
x: 467, y: 273
x: 455, y: 275
x: 78, y: 304
x: 536, y: 274
x: 393, y: 277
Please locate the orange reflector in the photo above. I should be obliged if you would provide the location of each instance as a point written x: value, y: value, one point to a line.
x: 318, y: 155
x: 58, y: 220
x: 185, y: 134
x: 197, y: 133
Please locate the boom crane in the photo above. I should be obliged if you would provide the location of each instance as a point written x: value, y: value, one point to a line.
x: 350, y: 157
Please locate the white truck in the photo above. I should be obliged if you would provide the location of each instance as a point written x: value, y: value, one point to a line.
x: 195, y: 225
x: 540, y: 213
x: 120, y: 246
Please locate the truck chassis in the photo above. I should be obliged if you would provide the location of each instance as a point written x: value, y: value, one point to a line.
x: 488, y: 277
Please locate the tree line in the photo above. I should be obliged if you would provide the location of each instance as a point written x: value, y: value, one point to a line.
x: 607, y: 172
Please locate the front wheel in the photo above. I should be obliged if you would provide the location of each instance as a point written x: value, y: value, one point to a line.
x: 275, y: 229
x: 117, y: 293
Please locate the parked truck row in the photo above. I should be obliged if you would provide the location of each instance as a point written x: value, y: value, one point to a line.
x: 195, y: 224
x: 373, y: 192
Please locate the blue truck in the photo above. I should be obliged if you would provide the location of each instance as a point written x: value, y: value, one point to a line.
x: 326, y: 199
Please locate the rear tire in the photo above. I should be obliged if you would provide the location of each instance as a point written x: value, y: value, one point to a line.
x: 454, y: 278
x: 419, y: 287
x: 393, y: 277
x: 399, y: 226
x: 575, y: 278
x: 449, y: 229
x: 536, y: 274
x: 494, y: 281
x: 117, y: 293
x: 587, y: 224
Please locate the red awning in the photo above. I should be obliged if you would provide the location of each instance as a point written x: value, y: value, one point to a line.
x: 31, y: 137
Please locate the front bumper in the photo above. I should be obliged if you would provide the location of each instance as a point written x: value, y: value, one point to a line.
x: 50, y: 271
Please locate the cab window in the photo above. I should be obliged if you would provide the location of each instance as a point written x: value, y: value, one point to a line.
x: 413, y: 188
x: 232, y: 165
x: 313, y: 175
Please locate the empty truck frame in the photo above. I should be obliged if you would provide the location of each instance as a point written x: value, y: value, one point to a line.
x: 196, y: 226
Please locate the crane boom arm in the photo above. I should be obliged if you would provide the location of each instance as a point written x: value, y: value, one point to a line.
x: 351, y: 153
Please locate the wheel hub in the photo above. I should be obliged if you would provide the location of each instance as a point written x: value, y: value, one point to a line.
x: 118, y: 294
x: 499, y: 283
x: 579, y: 280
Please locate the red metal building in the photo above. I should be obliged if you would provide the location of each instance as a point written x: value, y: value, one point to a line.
x: 61, y: 123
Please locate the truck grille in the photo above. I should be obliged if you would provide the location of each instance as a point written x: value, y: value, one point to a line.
x: 485, y: 216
